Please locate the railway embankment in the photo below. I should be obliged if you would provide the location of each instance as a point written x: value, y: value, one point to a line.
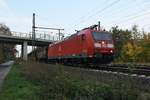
x: 35, y: 81
x: 115, y: 79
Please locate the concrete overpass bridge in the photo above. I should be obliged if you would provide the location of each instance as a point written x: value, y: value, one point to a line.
x: 25, y: 39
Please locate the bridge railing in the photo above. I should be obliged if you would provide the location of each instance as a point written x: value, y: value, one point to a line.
x: 38, y: 36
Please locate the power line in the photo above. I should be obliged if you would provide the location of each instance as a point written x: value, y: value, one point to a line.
x: 146, y: 25
x: 124, y: 22
x: 106, y: 7
x: 134, y: 17
x: 100, y: 11
x: 49, y: 28
x: 130, y: 17
x: 82, y: 17
x: 118, y: 10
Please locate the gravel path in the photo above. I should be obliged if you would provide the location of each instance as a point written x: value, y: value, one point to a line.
x: 4, y: 69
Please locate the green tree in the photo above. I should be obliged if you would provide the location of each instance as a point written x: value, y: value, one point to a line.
x: 131, y: 45
x: 144, y: 54
x: 121, y: 37
x: 135, y: 32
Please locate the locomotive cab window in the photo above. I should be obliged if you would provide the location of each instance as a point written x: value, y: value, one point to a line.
x: 102, y: 36
x: 83, y: 37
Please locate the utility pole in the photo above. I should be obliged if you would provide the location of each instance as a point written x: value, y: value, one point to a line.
x: 33, y: 27
x: 33, y: 34
x: 99, y: 25
x: 59, y: 34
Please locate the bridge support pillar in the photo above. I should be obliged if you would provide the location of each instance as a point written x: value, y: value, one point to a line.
x: 24, y: 51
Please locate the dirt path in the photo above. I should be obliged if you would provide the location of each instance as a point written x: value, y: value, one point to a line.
x: 4, y: 69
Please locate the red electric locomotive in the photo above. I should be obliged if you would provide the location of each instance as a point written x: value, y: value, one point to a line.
x: 90, y: 45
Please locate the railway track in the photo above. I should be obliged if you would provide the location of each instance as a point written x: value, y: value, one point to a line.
x: 138, y: 69
x: 127, y: 68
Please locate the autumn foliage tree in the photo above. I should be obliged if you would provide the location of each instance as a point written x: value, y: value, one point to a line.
x: 143, y: 54
x: 131, y: 45
x: 6, y: 50
x: 121, y: 37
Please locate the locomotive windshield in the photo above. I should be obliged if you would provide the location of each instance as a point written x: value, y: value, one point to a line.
x: 102, y: 36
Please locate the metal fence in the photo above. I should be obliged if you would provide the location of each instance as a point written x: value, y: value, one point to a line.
x: 38, y: 36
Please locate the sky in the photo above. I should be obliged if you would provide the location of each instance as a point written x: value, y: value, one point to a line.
x: 74, y: 14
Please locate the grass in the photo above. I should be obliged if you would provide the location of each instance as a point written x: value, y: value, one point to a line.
x: 16, y: 87
x: 42, y: 82
x: 33, y: 81
x: 57, y: 84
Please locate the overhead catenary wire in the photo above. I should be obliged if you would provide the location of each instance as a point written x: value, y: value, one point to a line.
x: 133, y: 18
x: 130, y: 17
x: 99, y: 11
x: 113, y: 13
x: 83, y: 16
x: 103, y: 9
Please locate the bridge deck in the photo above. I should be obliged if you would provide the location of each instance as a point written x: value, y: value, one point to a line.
x: 20, y: 40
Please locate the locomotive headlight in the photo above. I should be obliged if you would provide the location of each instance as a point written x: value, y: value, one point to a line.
x: 110, y: 45
x: 103, y: 42
x: 97, y: 45
x: 111, y: 51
